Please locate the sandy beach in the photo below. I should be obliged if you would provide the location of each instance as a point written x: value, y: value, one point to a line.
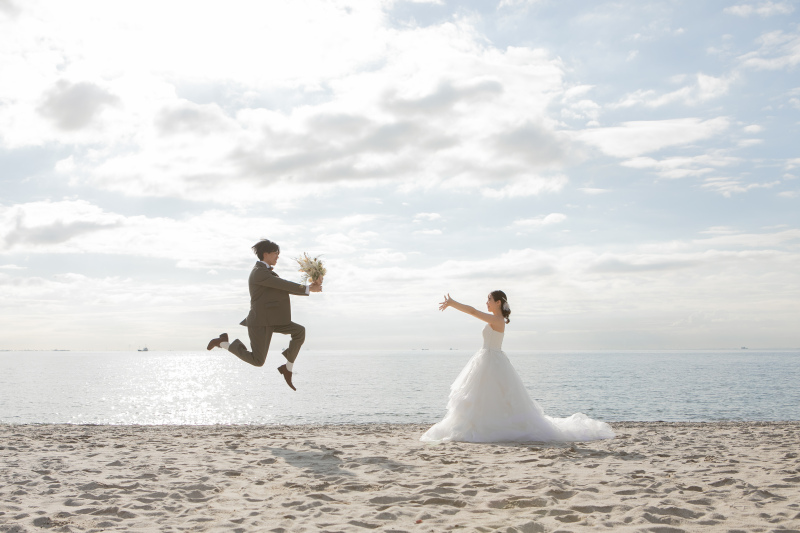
x: 659, y: 477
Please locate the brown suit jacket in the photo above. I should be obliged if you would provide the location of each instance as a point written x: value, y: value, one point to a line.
x: 269, y: 297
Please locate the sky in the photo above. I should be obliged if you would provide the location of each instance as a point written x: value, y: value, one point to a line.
x: 627, y: 172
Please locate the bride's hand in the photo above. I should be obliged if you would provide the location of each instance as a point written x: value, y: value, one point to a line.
x: 446, y: 303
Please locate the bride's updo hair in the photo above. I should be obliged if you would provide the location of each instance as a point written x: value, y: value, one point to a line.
x: 500, y: 296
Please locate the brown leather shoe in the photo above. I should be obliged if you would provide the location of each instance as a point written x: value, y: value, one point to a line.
x: 287, y: 375
x: 215, y: 343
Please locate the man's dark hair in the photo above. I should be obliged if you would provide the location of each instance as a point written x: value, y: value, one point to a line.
x: 265, y: 246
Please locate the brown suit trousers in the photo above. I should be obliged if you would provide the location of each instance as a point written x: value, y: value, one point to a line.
x: 260, y: 337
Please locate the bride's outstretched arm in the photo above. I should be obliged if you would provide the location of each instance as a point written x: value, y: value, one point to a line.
x: 449, y: 302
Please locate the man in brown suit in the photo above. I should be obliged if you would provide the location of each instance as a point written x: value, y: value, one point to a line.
x: 270, y: 312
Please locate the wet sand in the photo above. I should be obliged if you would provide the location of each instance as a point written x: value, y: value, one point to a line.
x: 659, y: 477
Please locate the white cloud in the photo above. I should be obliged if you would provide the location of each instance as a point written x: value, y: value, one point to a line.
x: 9, y: 8
x: 538, y: 222
x: 582, y: 109
x: 72, y: 106
x: 762, y: 9
x: 346, y: 242
x: 348, y: 222
x: 383, y: 256
x: 427, y: 216
x: 778, y: 50
x: 76, y: 226
x: 65, y: 166
x: 705, y: 88
x: 653, y: 283
x: 682, y: 167
x: 356, y: 103
x: 720, y: 230
x: 633, y: 139
x: 779, y: 240
x: 576, y: 91
x: 729, y: 186
x: 745, y: 143
x: 526, y: 187
x: 515, y: 3
x: 49, y: 224
x: 593, y: 190
x: 709, y: 87
x: 753, y: 128
x: 131, y: 310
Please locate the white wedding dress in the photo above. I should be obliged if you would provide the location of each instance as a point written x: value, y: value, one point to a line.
x: 489, y: 403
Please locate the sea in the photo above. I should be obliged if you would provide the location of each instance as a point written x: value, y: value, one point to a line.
x: 346, y: 387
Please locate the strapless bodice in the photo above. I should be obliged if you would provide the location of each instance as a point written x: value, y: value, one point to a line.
x: 492, y: 340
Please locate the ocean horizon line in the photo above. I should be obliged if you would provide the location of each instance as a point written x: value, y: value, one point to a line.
x: 368, y: 350
x: 310, y: 425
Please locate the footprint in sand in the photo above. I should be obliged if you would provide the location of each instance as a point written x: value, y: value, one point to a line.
x: 444, y: 501
x: 531, y: 527
x: 569, y: 519
x: 388, y: 500
x: 559, y: 494
x: 365, y: 525
x: 589, y: 509
x: 518, y: 503
x: 677, y: 512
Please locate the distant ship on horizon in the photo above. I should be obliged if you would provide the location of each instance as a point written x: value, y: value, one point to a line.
x: 144, y: 349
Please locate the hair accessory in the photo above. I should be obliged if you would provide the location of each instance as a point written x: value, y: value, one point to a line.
x: 506, y: 307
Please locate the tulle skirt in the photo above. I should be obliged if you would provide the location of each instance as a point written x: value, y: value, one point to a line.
x: 489, y: 403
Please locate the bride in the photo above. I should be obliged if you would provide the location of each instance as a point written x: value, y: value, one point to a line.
x: 488, y: 401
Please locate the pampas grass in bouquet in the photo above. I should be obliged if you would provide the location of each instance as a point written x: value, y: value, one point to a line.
x: 312, y: 268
